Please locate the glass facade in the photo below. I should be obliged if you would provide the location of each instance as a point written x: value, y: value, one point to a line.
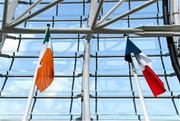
x: 113, y: 91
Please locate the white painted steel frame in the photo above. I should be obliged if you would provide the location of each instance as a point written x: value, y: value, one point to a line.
x: 162, y: 31
x: 85, y: 82
x: 9, y: 26
x: 111, y: 11
x: 26, y: 11
x: 94, y: 12
x: 8, y: 14
x: 17, y: 22
x: 5, y: 13
x: 93, y: 17
x: 175, y: 18
x: 12, y: 5
x: 93, y: 23
x: 129, y: 12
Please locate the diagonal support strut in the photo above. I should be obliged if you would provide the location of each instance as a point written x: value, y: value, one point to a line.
x: 106, y: 23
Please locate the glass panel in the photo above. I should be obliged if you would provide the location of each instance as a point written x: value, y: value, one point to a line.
x: 15, y: 111
x: 113, y: 90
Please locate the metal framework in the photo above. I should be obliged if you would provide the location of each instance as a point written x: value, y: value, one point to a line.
x: 170, y: 30
x: 97, y: 26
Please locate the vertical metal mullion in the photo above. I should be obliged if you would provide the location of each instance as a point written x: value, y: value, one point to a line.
x: 130, y: 76
x: 33, y: 103
x: 81, y: 21
x: 53, y: 22
x: 128, y: 20
x: 96, y: 93
x: 57, y: 11
x: 98, y: 42
x: 131, y: 85
x: 19, y: 42
x: 96, y: 79
x: 172, y: 97
x: 161, y: 57
x: 174, y: 104
x: 78, y: 43
x: 10, y: 67
x: 5, y: 81
x: 84, y: 8
x: 72, y: 87
x: 163, y: 65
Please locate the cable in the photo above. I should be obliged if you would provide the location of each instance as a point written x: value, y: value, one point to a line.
x: 170, y: 41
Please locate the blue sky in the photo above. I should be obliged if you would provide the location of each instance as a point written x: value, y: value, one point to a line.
x: 68, y: 45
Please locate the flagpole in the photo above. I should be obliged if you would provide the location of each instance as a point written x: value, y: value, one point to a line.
x: 32, y: 91
x: 31, y: 94
x: 146, y: 116
x: 30, y: 98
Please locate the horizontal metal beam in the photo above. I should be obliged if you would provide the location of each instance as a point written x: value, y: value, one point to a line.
x: 56, y: 76
x: 80, y: 74
x: 93, y: 119
x: 162, y: 31
x: 102, y: 97
x: 70, y: 31
x: 78, y: 56
x: 36, y: 56
x: 39, y: 97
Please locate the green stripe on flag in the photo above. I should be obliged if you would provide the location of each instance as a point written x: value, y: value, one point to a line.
x: 47, y: 36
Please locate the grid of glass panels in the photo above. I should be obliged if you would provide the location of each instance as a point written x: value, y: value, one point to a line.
x: 113, y: 92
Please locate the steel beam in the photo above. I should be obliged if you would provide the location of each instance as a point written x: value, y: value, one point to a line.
x: 70, y: 31
x: 2, y: 39
x: 99, y: 115
x: 13, y: 24
x: 11, y: 9
x: 5, y: 13
x: 85, y: 82
x: 3, y: 35
x: 26, y: 11
x: 111, y: 11
x: 106, y: 23
x: 92, y: 96
x: 175, y: 13
x: 161, y: 31
x: 8, y: 14
x: 175, y: 19
x: 94, y: 12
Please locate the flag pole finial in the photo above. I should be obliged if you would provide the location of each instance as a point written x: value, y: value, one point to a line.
x: 48, y: 25
x: 125, y: 36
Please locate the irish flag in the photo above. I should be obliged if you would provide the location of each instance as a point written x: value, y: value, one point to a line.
x: 154, y: 82
x: 45, y: 69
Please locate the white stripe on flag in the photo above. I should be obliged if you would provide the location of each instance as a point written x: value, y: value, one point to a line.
x: 143, y: 60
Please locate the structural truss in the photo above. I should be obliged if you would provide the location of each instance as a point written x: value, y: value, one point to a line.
x: 92, y: 80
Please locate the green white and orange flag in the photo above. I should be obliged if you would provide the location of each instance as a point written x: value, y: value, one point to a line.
x: 45, y: 68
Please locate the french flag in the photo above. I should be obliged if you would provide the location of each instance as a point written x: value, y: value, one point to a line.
x: 154, y: 82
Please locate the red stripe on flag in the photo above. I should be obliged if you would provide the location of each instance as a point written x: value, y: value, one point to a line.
x: 154, y: 82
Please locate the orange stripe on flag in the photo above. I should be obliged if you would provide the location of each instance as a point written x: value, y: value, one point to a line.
x: 45, y: 73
